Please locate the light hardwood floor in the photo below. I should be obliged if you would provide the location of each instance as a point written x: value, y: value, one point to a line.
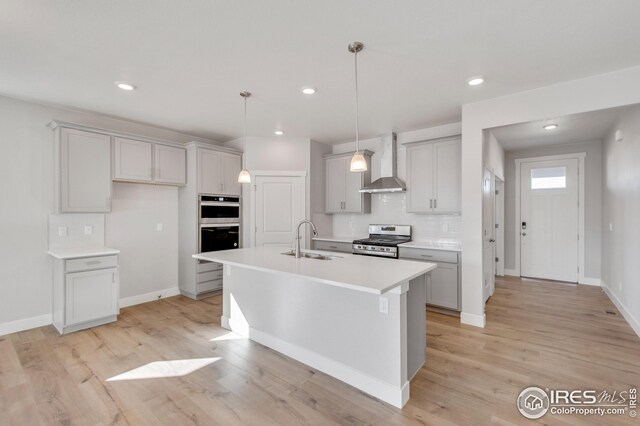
x: 538, y: 333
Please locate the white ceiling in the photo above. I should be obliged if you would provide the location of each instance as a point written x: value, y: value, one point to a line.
x: 588, y: 126
x: 190, y: 59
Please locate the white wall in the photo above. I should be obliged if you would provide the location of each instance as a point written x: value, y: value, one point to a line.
x: 593, y: 200
x: 494, y: 155
x: 391, y: 208
x: 621, y: 209
x: 26, y: 191
x: 588, y: 94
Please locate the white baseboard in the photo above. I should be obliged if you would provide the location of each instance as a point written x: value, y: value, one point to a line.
x: 25, y: 324
x: 591, y: 281
x: 631, y: 320
x: 473, y: 319
x: 149, y: 297
x: 396, y: 396
x: 511, y: 273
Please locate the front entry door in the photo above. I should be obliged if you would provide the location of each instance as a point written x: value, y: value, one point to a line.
x: 279, y: 209
x: 549, y: 219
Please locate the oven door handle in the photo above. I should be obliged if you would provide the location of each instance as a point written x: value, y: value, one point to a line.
x: 218, y: 203
x: 218, y: 225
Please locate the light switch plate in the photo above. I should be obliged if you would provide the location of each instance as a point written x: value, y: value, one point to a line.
x: 88, y: 230
x: 62, y: 231
x: 384, y: 305
x: 610, y: 226
x: 159, y: 227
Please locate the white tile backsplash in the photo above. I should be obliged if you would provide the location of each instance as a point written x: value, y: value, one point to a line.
x: 391, y: 209
x: 75, y: 224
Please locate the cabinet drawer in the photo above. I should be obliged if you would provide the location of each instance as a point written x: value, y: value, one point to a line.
x: 90, y: 263
x: 209, y: 286
x: 428, y: 255
x: 208, y: 276
x: 332, y: 246
x: 208, y: 266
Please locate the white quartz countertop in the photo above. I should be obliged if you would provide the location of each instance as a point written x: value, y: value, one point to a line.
x: 79, y: 252
x: 433, y: 245
x: 337, y: 238
x: 362, y: 273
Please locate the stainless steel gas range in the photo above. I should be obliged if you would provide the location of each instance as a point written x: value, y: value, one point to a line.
x: 383, y: 240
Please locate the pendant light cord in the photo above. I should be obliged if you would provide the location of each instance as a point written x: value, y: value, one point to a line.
x: 357, y: 111
x: 245, y: 132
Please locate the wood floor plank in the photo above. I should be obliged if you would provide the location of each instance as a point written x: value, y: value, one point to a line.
x: 538, y: 333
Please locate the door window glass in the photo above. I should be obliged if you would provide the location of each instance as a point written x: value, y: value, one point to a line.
x: 549, y: 178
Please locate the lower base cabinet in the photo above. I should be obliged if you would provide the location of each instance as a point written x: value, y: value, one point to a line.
x: 86, y: 292
x: 443, y: 283
x: 208, y: 279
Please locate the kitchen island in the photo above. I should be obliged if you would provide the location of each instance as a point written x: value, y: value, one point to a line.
x: 359, y: 319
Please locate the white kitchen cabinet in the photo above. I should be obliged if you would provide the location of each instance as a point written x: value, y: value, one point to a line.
x: 85, y: 293
x: 142, y: 161
x: 170, y: 165
x: 342, y: 186
x: 434, y: 177
x: 332, y: 246
x: 82, y: 171
x: 443, y: 283
x: 218, y: 172
x: 132, y: 160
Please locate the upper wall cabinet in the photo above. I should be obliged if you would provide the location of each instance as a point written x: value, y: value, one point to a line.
x: 434, y: 176
x: 218, y: 172
x: 170, y: 165
x: 132, y: 160
x: 342, y: 186
x: 140, y: 161
x: 82, y: 171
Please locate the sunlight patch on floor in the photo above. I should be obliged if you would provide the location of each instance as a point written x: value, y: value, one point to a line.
x: 164, y: 369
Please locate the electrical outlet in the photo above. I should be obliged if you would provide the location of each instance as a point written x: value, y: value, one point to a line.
x: 159, y: 227
x: 384, y: 305
x: 62, y: 231
x: 445, y: 227
x: 88, y: 230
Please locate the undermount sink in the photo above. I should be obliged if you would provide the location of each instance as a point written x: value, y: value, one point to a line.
x: 313, y: 255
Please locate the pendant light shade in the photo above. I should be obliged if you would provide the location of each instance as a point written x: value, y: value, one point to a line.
x: 244, y: 176
x: 358, y: 162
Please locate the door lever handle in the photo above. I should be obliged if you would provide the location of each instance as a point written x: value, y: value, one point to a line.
x: 491, y: 240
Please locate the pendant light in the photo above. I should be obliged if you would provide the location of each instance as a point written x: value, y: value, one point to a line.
x: 358, y: 163
x: 244, y: 176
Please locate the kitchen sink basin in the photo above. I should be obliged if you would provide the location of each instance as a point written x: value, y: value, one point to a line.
x: 313, y: 255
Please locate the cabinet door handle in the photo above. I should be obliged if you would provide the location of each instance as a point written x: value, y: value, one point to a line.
x: 435, y: 203
x: 92, y: 262
x: 426, y: 255
x: 333, y: 247
x: 430, y: 203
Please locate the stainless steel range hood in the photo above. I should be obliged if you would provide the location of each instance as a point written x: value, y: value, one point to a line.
x: 388, y: 181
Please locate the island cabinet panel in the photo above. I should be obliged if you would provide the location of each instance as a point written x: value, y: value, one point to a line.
x: 82, y: 171
x: 434, y: 177
x: 342, y: 186
x: 132, y: 160
x: 170, y: 165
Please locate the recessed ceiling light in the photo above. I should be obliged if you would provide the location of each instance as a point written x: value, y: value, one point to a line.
x: 308, y: 90
x: 125, y: 86
x: 474, y: 81
x: 550, y: 126
x: 279, y: 132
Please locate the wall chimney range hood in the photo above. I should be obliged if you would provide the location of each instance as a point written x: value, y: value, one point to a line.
x: 388, y: 181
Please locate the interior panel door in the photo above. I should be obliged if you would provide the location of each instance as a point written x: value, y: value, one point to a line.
x: 279, y: 209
